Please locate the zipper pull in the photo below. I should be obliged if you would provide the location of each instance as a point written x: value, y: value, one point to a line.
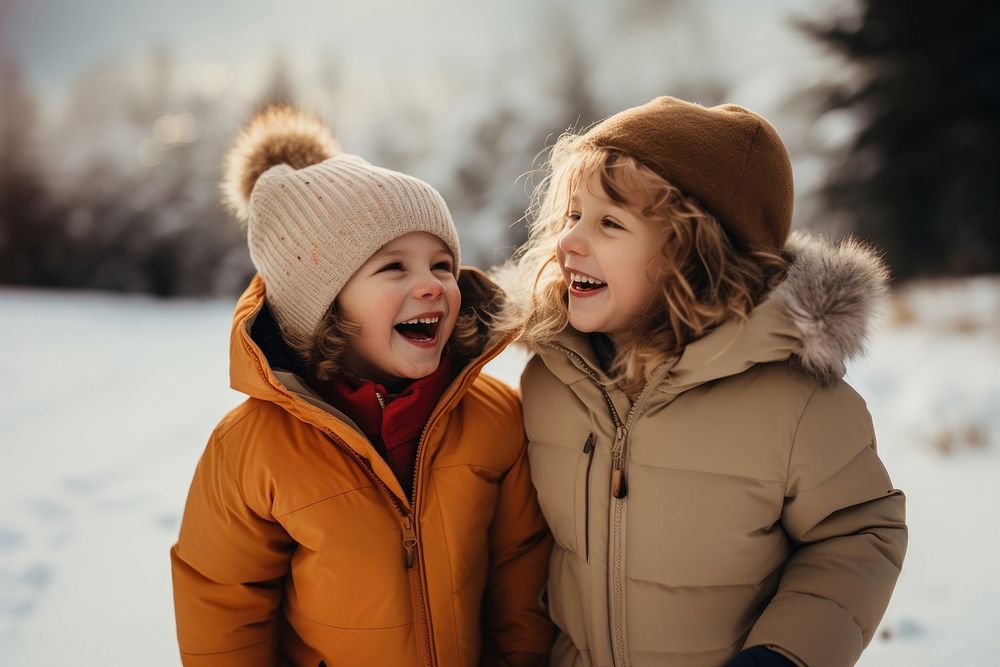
x: 409, y: 541
x: 588, y: 447
x: 619, y: 487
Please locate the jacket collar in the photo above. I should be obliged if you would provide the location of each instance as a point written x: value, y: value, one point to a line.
x: 819, y: 317
x: 389, y: 419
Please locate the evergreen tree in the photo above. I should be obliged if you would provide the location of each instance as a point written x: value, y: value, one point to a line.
x: 920, y: 177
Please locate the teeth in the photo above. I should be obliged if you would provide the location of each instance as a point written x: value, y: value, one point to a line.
x: 422, y: 320
x: 580, y: 278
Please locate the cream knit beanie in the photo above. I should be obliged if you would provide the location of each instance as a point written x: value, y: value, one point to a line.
x: 315, y: 215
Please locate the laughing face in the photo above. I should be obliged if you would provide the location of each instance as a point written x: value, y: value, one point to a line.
x: 405, y: 299
x: 608, y: 255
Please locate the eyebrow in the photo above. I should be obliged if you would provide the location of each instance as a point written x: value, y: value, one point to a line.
x: 403, y: 254
x: 608, y: 203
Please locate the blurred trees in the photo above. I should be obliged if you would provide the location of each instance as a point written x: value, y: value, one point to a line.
x: 920, y: 177
x: 121, y: 195
x: 25, y: 224
x: 116, y: 186
x: 504, y: 153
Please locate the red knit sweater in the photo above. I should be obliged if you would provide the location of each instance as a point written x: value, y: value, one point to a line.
x: 393, y: 422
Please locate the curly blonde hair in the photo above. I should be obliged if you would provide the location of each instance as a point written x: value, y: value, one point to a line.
x: 322, y: 353
x: 704, y: 280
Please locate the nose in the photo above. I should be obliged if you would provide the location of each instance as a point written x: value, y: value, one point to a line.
x: 428, y: 287
x: 573, y: 240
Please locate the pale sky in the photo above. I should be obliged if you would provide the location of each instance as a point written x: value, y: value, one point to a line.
x: 57, y: 39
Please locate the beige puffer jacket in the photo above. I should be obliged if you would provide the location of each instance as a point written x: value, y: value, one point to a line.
x: 754, y: 508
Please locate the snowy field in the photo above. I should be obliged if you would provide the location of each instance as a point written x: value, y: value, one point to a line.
x: 107, y: 402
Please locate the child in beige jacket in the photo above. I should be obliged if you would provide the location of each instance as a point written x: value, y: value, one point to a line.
x: 711, y: 482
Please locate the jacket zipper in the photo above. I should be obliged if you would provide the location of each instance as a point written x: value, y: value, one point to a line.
x: 411, y: 532
x: 408, y: 530
x: 619, y: 490
x: 412, y: 551
x: 409, y: 526
x: 411, y: 545
x: 619, y: 485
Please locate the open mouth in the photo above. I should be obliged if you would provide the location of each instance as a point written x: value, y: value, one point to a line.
x: 584, y: 283
x: 419, y: 329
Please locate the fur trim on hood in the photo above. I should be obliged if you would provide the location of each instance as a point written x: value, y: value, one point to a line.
x: 832, y: 294
x: 818, y: 318
x: 277, y: 135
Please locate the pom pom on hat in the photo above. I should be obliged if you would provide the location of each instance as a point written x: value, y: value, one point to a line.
x: 277, y: 135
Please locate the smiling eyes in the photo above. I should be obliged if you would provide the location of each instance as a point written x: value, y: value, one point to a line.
x: 398, y: 266
x: 392, y: 266
x: 606, y: 223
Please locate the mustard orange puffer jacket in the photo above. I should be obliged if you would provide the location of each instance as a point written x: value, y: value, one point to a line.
x: 298, y: 545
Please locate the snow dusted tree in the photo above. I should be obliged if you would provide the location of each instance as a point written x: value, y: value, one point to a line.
x: 136, y: 182
x: 497, y: 171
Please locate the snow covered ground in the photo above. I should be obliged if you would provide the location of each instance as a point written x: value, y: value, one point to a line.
x: 107, y: 402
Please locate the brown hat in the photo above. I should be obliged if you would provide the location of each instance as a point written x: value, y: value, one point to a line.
x: 728, y: 158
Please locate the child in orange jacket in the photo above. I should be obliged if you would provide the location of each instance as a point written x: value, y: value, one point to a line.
x: 370, y: 502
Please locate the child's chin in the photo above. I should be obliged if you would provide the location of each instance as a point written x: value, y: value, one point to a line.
x: 582, y: 325
x: 421, y: 370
